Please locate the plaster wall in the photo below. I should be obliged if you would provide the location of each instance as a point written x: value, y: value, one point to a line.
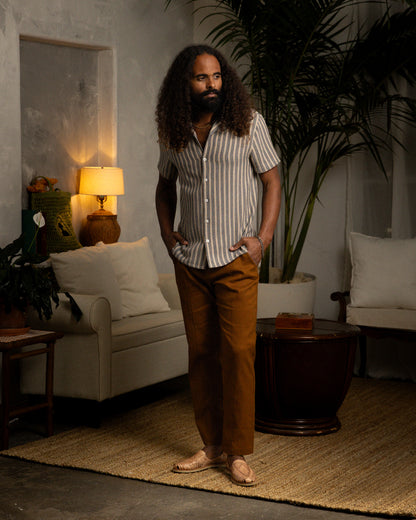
x: 60, y: 112
x: 324, y: 253
x: 142, y: 39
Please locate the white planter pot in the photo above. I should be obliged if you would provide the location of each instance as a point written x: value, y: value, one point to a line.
x: 297, y: 296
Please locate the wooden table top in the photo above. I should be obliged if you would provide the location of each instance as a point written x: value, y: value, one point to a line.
x: 322, y: 329
x: 29, y: 338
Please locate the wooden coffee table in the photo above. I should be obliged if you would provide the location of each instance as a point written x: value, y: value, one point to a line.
x: 33, y: 343
x: 302, y: 377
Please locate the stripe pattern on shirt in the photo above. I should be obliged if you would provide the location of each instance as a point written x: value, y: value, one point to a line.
x: 218, y: 191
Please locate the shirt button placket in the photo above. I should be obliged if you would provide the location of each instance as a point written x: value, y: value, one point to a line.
x: 206, y: 198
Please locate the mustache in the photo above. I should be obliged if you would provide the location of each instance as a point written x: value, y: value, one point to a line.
x: 212, y: 91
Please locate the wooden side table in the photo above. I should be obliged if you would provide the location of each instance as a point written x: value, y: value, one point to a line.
x: 11, y: 348
x: 302, y: 376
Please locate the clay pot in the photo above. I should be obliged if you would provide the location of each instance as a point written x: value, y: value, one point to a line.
x: 12, y: 323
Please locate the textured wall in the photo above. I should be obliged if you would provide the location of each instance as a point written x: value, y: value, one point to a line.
x: 143, y: 40
x: 59, y: 111
x: 67, y: 117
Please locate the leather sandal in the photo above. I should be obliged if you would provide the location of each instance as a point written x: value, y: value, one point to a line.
x: 240, y: 472
x: 199, y: 462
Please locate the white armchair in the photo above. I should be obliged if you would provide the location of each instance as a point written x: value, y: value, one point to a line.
x: 383, y: 291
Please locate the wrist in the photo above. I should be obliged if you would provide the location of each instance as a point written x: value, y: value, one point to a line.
x: 167, y: 234
x: 261, y: 245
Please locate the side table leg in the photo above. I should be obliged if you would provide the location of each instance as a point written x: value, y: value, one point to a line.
x: 49, y: 387
x: 5, y: 400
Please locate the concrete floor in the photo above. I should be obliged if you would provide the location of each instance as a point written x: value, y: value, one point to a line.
x: 37, y: 492
x: 31, y: 491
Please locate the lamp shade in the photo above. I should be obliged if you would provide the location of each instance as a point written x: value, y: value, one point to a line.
x: 101, y: 180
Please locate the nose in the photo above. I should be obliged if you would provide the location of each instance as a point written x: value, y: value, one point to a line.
x: 211, y: 82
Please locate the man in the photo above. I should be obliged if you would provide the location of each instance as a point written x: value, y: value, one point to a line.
x: 216, y: 146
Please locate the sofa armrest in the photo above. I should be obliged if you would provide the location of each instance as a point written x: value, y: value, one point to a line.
x: 167, y: 284
x: 96, y: 315
x: 342, y: 298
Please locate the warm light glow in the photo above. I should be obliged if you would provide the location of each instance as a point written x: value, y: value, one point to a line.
x: 101, y: 180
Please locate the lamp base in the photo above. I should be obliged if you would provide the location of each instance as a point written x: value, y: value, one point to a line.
x: 101, y: 226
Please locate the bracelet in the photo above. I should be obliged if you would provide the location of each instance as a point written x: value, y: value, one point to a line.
x: 261, y: 245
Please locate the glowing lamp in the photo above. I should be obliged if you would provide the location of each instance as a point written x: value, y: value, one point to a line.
x: 101, y: 181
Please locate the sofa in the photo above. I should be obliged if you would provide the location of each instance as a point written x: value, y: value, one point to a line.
x: 131, y: 332
x: 382, y: 302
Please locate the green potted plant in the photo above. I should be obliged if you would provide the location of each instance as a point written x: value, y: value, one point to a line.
x: 326, y: 87
x: 24, y: 282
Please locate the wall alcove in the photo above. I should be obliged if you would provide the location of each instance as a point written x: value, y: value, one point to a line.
x: 67, y: 115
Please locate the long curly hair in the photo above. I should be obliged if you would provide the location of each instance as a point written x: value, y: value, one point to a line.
x: 174, y: 106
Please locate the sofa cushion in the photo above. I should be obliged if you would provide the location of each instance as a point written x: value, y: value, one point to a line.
x: 88, y: 270
x: 383, y: 272
x: 384, y: 318
x: 145, y: 329
x: 137, y: 277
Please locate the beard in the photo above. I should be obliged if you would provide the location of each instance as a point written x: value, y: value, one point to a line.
x: 207, y: 104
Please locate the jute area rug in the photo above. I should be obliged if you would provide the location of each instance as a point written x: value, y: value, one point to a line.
x: 368, y: 466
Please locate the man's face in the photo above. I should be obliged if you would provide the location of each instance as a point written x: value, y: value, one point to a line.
x: 206, y: 83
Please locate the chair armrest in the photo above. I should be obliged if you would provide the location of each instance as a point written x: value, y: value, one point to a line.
x: 167, y: 284
x: 341, y: 297
x: 96, y: 315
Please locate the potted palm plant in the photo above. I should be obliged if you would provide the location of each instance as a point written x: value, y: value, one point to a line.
x: 24, y: 282
x: 326, y: 87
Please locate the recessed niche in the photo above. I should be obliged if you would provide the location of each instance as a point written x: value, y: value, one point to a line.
x: 67, y: 108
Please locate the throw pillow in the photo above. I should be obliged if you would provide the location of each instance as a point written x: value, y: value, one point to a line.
x: 137, y: 277
x: 383, y: 272
x: 88, y: 271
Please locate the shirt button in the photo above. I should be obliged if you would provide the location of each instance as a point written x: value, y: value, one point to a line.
x: 206, y: 180
x: 207, y: 240
x: 207, y: 220
x: 204, y: 159
x: 206, y: 200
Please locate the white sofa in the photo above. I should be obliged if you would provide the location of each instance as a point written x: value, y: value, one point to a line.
x: 383, y: 302
x: 131, y: 333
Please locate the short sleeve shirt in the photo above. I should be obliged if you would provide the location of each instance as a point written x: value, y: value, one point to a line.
x: 218, y: 191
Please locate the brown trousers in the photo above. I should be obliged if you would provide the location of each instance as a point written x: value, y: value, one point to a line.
x: 219, y: 307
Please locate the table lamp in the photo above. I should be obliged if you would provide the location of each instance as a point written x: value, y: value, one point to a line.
x: 101, y: 181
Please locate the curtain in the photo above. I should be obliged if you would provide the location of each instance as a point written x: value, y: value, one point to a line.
x: 384, y: 206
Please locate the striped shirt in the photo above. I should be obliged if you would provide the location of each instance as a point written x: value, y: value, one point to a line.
x: 218, y: 191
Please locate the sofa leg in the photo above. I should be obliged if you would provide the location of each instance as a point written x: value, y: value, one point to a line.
x: 362, y: 342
